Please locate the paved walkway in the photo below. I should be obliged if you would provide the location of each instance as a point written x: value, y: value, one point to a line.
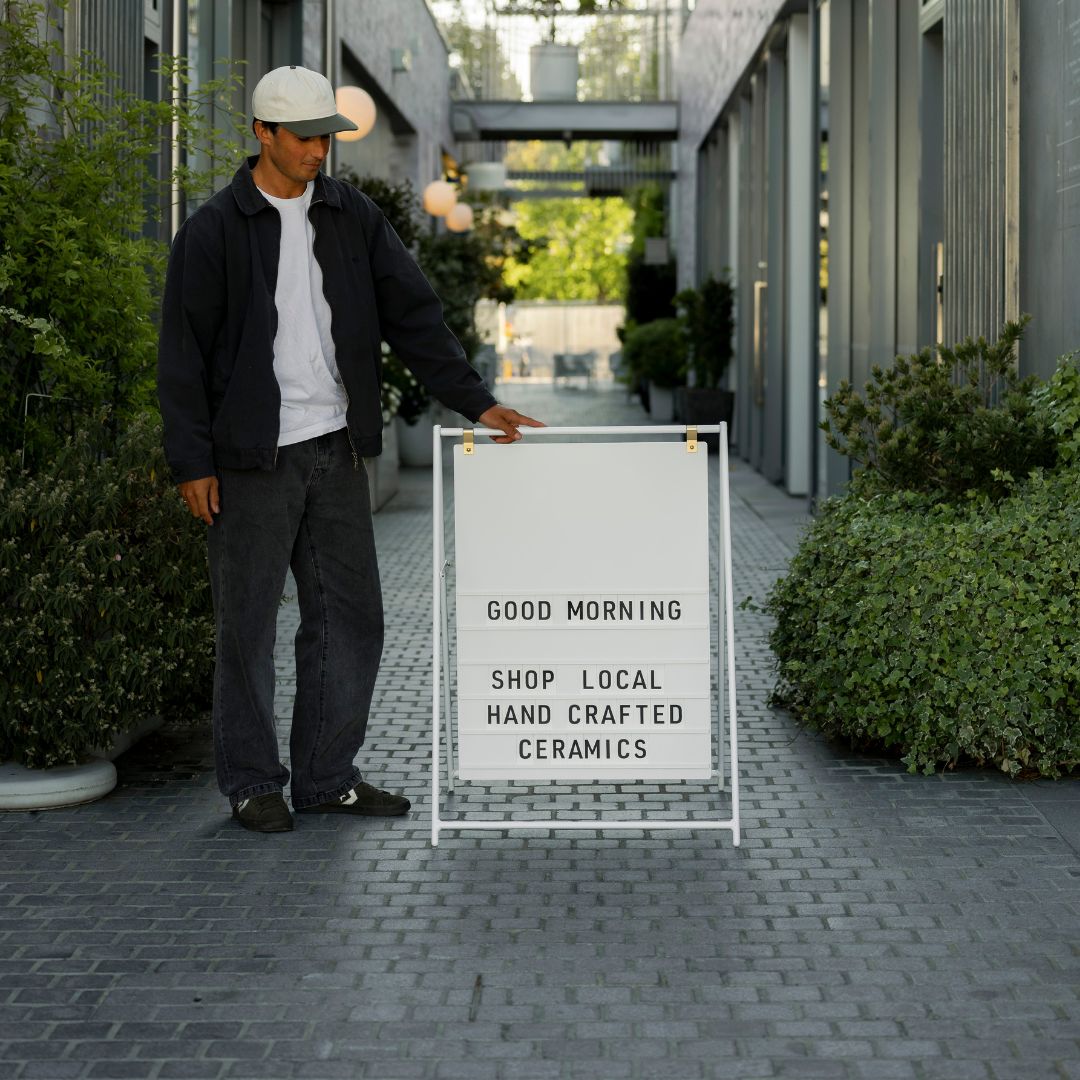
x: 872, y: 925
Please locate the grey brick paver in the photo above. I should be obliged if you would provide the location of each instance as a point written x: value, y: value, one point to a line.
x: 873, y: 926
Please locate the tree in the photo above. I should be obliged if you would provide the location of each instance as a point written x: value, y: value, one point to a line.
x: 483, y: 64
x: 79, y: 283
x: 578, y: 249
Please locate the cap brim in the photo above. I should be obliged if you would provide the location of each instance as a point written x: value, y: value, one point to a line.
x: 325, y: 125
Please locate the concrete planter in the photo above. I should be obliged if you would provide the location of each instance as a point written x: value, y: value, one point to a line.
x: 710, y: 407
x: 383, y: 470
x: 553, y: 72
x: 661, y: 404
x: 49, y: 789
x: 69, y: 785
x: 414, y: 440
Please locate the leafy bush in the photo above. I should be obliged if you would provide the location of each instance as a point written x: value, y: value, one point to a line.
x: 410, y: 396
x: 1057, y: 404
x: 398, y: 202
x: 710, y: 322
x: 650, y: 290
x: 105, y: 610
x: 948, y: 632
x: 946, y: 423
x: 79, y: 284
x: 657, y: 351
x: 456, y: 266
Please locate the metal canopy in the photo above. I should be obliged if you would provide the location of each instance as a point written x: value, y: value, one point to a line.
x: 565, y: 120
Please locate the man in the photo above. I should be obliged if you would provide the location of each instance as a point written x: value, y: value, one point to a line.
x: 279, y: 291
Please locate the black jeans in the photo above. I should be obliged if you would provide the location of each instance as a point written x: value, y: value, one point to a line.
x: 311, y: 513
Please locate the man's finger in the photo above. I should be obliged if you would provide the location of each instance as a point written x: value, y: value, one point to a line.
x: 215, y: 500
x: 528, y: 421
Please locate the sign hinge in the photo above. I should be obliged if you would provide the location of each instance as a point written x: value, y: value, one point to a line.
x: 691, y: 440
x: 467, y: 442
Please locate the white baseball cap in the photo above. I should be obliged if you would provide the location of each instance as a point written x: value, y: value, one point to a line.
x: 299, y: 99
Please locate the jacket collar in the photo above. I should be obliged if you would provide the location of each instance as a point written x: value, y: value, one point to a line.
x: 250, y: 199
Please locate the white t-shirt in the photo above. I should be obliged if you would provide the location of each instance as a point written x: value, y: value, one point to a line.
x: 313, y: 401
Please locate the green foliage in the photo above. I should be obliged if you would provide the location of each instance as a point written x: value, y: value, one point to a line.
x: 457, y: 267
x: 657, y: 351
x: 650, y: 290
x: 105, y: 611
x: 479, y: 56
x: 650, y: 216
x: 409, y: 397
x: 398, y: 202
x: 946, y: 632
x: 947, y: 423
x: 576, y: 249
x: 1057, y: 404
x: 710, y: 321
x: 79, y: 284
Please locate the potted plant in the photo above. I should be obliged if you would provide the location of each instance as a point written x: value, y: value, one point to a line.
x: 415, y: 413
x: 658, y: 352
x: 708, y: 314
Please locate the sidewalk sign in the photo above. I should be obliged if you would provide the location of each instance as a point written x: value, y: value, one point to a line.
x: 583, y: 618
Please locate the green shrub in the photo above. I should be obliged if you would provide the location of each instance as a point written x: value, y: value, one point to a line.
x: 944, y: 631
x: 457, y: 267
x: 710, y: 322
x: 657, y: 351
x: 105, y: 611
x: 1057, y: 403
x: 398, y: 202
x: 79, y: 282
x: 947, y: 423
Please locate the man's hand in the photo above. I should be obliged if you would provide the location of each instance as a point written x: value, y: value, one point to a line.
x: 508, y: 420
x: 201, y: 497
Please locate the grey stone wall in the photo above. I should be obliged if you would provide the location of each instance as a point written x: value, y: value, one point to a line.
x: 717, y: 46
x: 409, y: 143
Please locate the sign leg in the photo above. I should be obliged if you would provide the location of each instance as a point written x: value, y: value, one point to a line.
x: 451, y: 768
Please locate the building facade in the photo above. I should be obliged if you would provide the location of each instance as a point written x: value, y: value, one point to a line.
x: 876, y: 176
x: 391, y: 48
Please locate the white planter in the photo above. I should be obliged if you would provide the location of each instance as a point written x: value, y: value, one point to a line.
x: 553, y: 72
x: 661, y: 404
x: 383, y: 470
x: 414, y: 440
x: 47, y: 789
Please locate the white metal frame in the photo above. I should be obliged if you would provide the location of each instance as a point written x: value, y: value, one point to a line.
x: 440, y: 653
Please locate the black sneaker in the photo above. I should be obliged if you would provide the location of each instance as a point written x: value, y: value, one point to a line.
x: 264, y: 813
x: 362, y: 800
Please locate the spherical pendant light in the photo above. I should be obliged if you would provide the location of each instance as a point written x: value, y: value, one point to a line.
x: 460, y: 218
x: 359, y: 107
x: 439, y: 198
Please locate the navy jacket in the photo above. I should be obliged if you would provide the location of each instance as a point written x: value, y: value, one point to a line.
x: 219, y: 398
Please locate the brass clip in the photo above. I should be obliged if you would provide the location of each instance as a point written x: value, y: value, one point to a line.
x: 467, y: 442
x: 691, y: 440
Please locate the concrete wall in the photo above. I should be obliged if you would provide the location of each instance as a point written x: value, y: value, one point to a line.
x: 1049, y: 181
x: 719, y: 43
x: 413, y: 126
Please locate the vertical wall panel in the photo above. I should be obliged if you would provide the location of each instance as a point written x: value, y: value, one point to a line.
x: 772, y: 462
x: 838, y: 183
x: 974, y: 226
x: 908, y: 165
x: 113, y: 31
x: 860, y: 192
x: 883, y: 181
x: 744, y: 273
x: 1049, y: 182
x: 801, y: 351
